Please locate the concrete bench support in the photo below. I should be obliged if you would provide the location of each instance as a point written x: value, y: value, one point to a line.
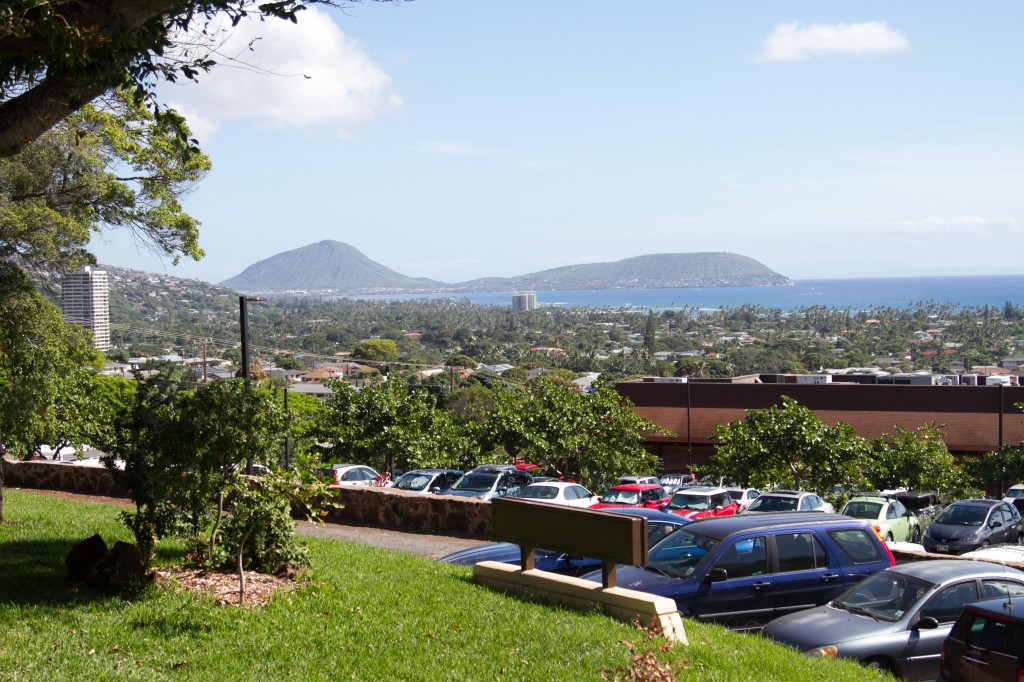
x: 620, y: 603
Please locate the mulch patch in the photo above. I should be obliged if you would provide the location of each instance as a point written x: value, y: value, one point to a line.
x: 223, y: 585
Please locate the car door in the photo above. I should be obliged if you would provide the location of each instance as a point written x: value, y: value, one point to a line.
x: 744, y: 597
x: 804, y: 574
x: 920, y: 657
x: 997, y: 526
x: 897, y: 521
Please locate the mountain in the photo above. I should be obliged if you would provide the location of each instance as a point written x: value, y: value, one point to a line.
x: 324, y: 265
x: 661, y: 270
x: 336, y: 266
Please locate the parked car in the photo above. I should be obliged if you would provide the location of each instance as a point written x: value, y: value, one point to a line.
x: 999, y: 553
x: 427, y: 481
x: 986, y: 643
x: 700, y: 502
x: 788, y: 500
x: 924, y: 504
x: 351, y: 474
x: 897, y: 619
x: 659, y: 525
x: 1014, y: 492
x: 558, y: 492
x: 634, y: 495
x: 672, y: 482
x: 745, y: 570
x: 639, y: 480
x: 969, y: 524
x: 890, y: 519
x: 489, y: 481
x: 743, y: 496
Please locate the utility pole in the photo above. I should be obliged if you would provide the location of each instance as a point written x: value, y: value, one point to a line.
x: 243, y: 318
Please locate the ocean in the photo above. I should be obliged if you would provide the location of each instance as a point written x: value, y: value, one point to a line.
x: 856, y: 294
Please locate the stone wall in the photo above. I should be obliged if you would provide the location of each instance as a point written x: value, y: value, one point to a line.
x: 402, y: 510
x: 88, y: 480
x: 384, y: 507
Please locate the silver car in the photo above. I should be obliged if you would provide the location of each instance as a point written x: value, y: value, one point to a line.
x: 897, y: 619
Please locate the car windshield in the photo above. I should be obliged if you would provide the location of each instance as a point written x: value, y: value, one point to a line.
x: 539, y: 492
x: 478, y: 483
x: 770, y: 503
x: 885, y: 596
x: 1014, y: 492
x: 963, y: 515
x: 413, y: 481
x: 621, y: 497
x: 681, y: 553
x: 862, y: 510
x: 689, y: 501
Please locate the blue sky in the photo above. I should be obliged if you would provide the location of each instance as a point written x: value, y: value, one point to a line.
x: 454, y: 139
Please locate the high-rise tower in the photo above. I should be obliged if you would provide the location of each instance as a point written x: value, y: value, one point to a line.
x: 521, y: 302
x: 85, y: 301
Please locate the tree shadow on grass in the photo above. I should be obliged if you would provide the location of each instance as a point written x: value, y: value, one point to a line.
x: 34, y: 573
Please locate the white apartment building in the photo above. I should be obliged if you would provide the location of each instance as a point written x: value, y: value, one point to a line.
x: 521, y: 302
x: 85, y: 301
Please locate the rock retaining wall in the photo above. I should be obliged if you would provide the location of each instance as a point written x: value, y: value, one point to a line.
x: 88, y: 480
x: 384, y: 507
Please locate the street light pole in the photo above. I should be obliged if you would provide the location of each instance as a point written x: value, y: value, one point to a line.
x: 243, y: 319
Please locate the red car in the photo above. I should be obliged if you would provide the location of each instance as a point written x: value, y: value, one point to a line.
x: 634, y: 495
x: 700, y: 502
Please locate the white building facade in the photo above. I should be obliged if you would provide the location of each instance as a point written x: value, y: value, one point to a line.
x: 522, y: 302
x: 85, y: 301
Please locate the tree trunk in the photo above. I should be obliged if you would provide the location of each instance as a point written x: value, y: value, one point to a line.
x: 216, y: 525
x: 241, y: 571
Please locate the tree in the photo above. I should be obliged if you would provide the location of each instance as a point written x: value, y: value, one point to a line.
x: 385, y: 426
x: 592, y: 438
x: 111, y: 166
x: 789, y: 444
x: 38, y: 353
x: 57, y: 56
x: 461, y: 361
x: 376, y: 350
x: 916, y: 459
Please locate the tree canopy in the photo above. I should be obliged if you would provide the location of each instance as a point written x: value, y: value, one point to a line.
x: 109, y: 165
x: 56, y: 56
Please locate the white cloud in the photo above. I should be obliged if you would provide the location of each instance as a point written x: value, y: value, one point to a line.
x: 793, y: 41
x: 452, y: 148
x: 284, y: 75
x: 957, y: 226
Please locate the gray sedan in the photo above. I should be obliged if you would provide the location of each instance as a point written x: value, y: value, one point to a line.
x: 897, y: 619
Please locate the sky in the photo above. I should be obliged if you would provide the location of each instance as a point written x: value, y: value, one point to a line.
x: 456, y: 139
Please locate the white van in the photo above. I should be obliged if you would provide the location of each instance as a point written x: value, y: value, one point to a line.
x: 1013, y: 493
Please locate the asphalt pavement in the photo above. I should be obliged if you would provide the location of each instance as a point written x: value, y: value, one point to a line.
x: 419, y: 544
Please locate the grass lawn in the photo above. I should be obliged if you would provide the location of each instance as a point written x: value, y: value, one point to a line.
x: 363, y: 614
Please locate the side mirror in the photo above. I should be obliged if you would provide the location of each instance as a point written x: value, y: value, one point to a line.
x: 716, y: 575
x: 436, y: 490
x: 926, y: 623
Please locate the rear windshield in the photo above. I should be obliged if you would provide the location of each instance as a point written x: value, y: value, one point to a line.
x: 863, y: 510
x: 770, y: 503
x: 857, y: 544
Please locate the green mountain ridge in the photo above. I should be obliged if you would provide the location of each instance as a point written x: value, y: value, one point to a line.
x: 336, y: 266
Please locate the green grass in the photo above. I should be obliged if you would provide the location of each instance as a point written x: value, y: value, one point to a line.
x: 364, y: 614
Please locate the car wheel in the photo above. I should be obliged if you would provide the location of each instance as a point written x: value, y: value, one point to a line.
x: 888, y: 537
x: 915, y: 536
x: 984, y: 544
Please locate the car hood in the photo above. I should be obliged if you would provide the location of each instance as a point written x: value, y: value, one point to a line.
x: 644, y: 580
x: 950, y: 531
x: 822, y: 626
x: 470, y: 493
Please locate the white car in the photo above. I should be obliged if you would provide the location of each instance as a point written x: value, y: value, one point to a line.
x: 743, y: 496
x: 352, y: 474
x: 559, y: 492
x: 1013, y: 493
x: 788, y: 500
